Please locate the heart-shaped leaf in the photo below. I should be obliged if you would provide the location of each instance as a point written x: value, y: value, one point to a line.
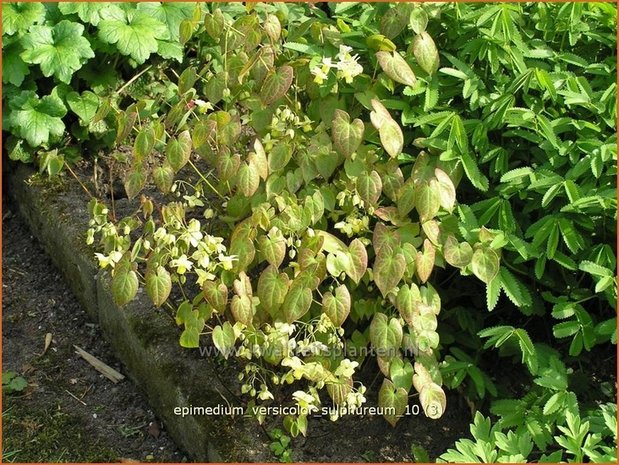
x: 158, y: 285
x: 347, y: 135
x: 389, y: 268
x: 369, y: 187
x: 272, y: 289
x: 297, y: 302
x: 424, y: 262
x: 386, y: 335
x: 124, y: 285
x: 248, y: 180
x: 216, y: 295
x: 242, y: 309
x: 427, y: 200
x: 458, y: 255
x: 276, y: 84
x: 433, y: 400
x: 358, y: 260
x: 396, y: 67
x: 163, y: 176
x: 426, y: 53
x: 337, y: 307
x: 178, y: 150
x: 406, y: 198
x: 224, y: 339
x: 273, y: 249
x: 392, y: 399
x: 446, y: 189
x: 485, y: 264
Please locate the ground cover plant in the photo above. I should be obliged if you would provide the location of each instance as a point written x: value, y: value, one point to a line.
x: 436, y: 182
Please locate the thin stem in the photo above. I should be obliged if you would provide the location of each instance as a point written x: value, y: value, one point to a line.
x: 78, y: 180
x: 206, y: 180
x: 133, y: 79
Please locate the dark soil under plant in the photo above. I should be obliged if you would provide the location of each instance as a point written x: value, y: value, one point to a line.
x: 45, y: 423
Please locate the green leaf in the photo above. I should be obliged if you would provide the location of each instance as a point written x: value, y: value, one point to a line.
x: 396, y: 67
x: 14, y: 69
x: 273, y: 249
x: 472, y: 172
x: 59, y: 50
x: 276, y: 84
x: 418, y: 19
x: 457, y: 254
x: 216, y: 295
x: 393, y: 400
x: 389, y: 268
x: 391, y: 138
x: 337, y: 307
x: 163, y: 176
x: 427, y: 200
x: 124, y: 285
x: 347, y: 136
x: 485, y: 264
x: 514, y: 290
x: 242, y: 309
x: 424, y: 262
x: 224, y: 339
x: 144, y: 143
x: 386, y: 335
x: 358, y: 260
x: 85, y: 106
x: 178, y: 150
x: 426, y: 53
x: 433, y: 400
x: 36, y: 120
x: 88, y: 12
x: 272, y: 289
x: 279, y: 157
x: 401, y: 373
x: 18, y: 17
x: 170, y: 14
x: 134, y: 33
x: 248, y: 180
x: 406, y: 198
x: 134, y: 182
x: 369, y: 187
x: 158, y: 285
x: 297, y: 302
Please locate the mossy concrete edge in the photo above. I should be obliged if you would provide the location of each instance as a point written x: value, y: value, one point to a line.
x: 143, y: 338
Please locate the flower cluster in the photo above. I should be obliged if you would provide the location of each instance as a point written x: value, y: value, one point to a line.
x: 346, y: 65
x: 285, y: 122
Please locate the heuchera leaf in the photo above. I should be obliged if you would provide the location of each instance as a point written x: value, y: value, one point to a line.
x: 19, y: 16
x: 347, y: 135
x: 88, y: 12
x: 37, y: 119
x: 59, y: 50
x: 134, y: 32
x: 85, y: 106
x: 171, y: 14
x: 396, y: 67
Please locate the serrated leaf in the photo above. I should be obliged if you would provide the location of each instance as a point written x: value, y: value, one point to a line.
x: 35, y: 120
x: 396, y: 67
x: 337, y: 307
x: 389, y: 268
x: 485, y: 264
x: 514, y: 290
x: 493, y: 290
x: 171, y: 14
x: 158, y: 285
x: 178, y: 151
x: 18, y: 17
x: 393, y: 400
x: 88, y: 12
x: 59, y: 50
x: 472, y: 172
x: 347, y: 135
x: 276, y: 84
x: 134, y: 33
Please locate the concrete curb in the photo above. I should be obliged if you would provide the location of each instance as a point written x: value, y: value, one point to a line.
x: 144, y: 338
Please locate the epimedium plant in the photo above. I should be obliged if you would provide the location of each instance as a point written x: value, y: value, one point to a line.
x: 323, y: 223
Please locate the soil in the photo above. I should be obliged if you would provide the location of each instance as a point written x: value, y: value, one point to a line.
x: 68, y: 412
